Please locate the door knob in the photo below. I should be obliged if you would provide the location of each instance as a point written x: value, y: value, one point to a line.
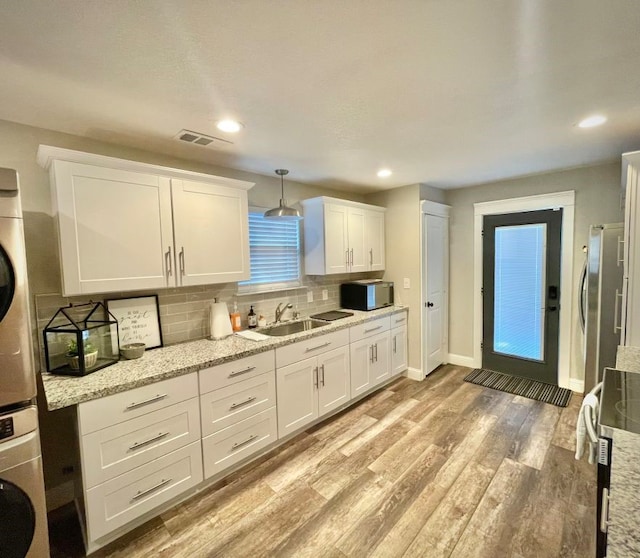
x: 552, y: 308
x: 429, y: 304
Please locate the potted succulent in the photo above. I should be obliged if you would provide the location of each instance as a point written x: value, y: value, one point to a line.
x: 90, y: 354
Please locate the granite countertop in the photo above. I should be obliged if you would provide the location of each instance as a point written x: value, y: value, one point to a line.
x: 176, y: 360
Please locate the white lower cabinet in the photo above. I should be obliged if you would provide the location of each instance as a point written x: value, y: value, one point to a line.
x: 370, y: 359
x: 399, y: 360
x: 311, y: 388
x: 230, y: 445
x: 119, y: 501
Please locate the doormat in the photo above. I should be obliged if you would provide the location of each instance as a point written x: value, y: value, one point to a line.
x: 547, y: 393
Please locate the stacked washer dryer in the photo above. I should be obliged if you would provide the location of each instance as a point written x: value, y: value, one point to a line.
x: 23, y: 516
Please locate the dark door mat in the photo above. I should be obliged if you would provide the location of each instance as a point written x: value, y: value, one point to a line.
x: 547, y: 393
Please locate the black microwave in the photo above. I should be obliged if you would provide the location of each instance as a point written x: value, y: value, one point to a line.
x: 366, y: 294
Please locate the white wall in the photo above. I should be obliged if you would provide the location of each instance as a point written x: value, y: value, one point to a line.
x: 597, y: 201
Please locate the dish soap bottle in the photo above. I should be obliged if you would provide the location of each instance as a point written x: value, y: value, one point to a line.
x: 236, y: 322
x: 252, y: 319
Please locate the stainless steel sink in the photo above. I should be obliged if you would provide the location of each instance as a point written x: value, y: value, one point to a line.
x: 292, y: 327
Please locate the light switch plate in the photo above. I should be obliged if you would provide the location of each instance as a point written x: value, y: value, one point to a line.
x: 309, y: 296
x: 325, y: 294
x: 407, y: 283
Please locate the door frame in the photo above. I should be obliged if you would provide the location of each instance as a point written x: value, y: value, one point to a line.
x: 564, y: 200
x: 438, y: 210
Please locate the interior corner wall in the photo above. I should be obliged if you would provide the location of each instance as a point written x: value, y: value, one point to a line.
x: 598, y: 200
x: 403, y: 244
x: 431, y: 193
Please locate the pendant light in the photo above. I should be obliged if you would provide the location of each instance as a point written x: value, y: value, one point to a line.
x: 284, y: 211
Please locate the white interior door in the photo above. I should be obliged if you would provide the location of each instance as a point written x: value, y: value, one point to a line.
x: 435, y: 258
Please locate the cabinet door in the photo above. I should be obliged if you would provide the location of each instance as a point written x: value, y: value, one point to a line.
x: 381, y: 366
x: 297, y: 394
x: 361, y: 359
x: 211, y: 233
x: 335, y: 239
x: 399, y: 362
x: 114, y: 229
x: 374, y: 233
x: 334, y: 380
x: 358, y: 246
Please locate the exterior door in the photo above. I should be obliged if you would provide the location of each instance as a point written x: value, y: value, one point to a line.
x: 435, y: 304
x: 521, y: 293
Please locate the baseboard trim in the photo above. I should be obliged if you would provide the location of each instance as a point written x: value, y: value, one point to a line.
x: 60, y: 495
x: 576, y: 385
x: 461, y: 360
x: 414, y: 374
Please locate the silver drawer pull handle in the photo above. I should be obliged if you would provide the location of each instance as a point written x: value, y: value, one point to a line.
x: 149, y: 441
x: 240, y: 444
x: 372, y: 329
x: 242, y: 403
x: 238, y: 372
x: 142, y: 493
x: 400, y: 320
x: 309, y: 349
x: 147, y: 401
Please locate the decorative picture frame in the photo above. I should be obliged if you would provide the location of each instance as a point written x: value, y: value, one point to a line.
x: 138, y: 320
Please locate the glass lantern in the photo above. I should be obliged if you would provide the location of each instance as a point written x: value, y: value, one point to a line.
x: 81, y: 339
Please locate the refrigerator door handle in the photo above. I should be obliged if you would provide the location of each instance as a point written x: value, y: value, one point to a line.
x: 616, y: 311
x: 618, y: 257
x: 583, y: 299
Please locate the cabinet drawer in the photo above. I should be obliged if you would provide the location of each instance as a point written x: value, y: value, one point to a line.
x: 311, y: 347
x: 398, y: 320
x: 370, y: 328
x: 233, y: 444
x: 226, y: 406
x: 117, y: 502
x: 131, y: 404
x: 112, y: 451
x: 239, y: 370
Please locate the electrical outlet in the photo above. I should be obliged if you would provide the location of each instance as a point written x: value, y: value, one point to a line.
x: 407, y: 283
x: 325, y: 294
x: 309, y: 296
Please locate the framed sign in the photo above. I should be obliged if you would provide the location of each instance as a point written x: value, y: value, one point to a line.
x: 138, y: 320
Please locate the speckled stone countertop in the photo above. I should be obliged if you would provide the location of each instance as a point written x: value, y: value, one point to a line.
x: 176, y: 360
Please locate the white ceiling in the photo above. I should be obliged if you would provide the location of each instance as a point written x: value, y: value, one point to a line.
x: 449, y: 93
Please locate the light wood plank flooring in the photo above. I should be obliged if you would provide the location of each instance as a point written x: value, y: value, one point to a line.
x: 431, y: 469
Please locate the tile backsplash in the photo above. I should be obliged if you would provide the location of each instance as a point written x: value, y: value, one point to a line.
x: 184, y: 311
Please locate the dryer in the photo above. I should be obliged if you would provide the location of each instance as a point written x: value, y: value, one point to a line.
x: 23, y: 514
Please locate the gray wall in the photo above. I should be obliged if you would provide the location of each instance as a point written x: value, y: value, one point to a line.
x: 597, y: 191
x: 403, y: 241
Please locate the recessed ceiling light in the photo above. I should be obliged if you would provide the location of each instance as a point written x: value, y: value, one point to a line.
x: 231, y: 126
x: 384, y: 173
x: 592, y: 121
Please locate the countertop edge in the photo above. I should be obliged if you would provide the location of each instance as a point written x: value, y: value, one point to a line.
x: 59, y: 390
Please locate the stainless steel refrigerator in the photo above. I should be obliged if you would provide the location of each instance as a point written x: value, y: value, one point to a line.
x: 600, y: 300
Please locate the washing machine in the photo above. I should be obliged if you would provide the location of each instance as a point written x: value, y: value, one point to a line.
x: 23, y: 514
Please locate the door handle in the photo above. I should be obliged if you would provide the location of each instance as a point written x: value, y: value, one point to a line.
x: 552, y: 308
x: 347, y: 258
x: 376, y: 351
x: 604, y: 511
x: 429, y: 304
x: 371, y: 354
x: 315, y: 377
x: 371, y: 256
x: 169, y: 266
x: 616, y: 311
x: 351, y: 257
x: 322, y: 369
x: 181, y: 258
x: 618, y: 257
x: 395, y: 337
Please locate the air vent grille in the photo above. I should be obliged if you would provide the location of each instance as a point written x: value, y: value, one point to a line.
x: 203, y: 140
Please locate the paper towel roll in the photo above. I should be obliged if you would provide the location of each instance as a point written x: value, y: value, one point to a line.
x: 220, y: 322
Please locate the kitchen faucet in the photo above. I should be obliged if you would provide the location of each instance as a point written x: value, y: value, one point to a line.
x: 280, y: 312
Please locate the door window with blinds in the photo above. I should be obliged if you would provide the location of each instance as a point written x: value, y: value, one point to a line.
x: 274, y: 248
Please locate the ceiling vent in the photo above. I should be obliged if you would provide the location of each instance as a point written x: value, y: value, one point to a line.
x: 202, y: 140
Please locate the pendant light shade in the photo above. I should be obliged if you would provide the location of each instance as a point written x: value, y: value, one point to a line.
x: 283, y: 211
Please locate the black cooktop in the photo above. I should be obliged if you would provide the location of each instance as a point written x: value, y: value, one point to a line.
x: 331, y: 315
x: 620, y: 400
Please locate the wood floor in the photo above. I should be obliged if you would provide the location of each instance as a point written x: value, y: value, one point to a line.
x: 434, y: 468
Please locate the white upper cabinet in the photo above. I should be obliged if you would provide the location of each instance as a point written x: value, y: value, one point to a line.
x: 342, y: 236
x: 211, y: 233
x: 127, y: 226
